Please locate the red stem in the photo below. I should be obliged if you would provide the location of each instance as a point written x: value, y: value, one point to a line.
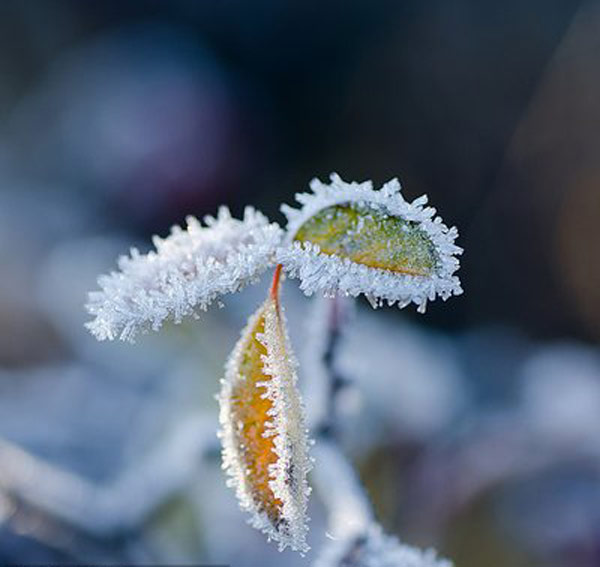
x: 276, y: 283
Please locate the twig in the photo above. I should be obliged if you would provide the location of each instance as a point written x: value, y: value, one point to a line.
x: 358, y: 538
x: 350, y: 512
x: 119, y: 507
x: 323, y: 381
x: 348, y: 505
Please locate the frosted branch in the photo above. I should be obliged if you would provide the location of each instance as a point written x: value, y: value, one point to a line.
x: 356, y: 539
x: 325, y: 326
x: 341, y: 491
x: 118, y: 507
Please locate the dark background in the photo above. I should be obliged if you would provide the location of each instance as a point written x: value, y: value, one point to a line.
x: 489, y: 108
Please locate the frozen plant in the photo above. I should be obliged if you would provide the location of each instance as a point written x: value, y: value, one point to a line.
x: 346, y: 239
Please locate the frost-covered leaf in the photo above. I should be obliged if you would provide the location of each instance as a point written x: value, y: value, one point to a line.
x: 369, y: 236
x: 188, y: 270
x: 348, y: 238
x: 263, y: 429
x: 375, y: 549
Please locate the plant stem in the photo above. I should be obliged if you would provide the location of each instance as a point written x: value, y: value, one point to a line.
x: 336, y: 320
x: 347, y: 503
x: 274, y: 292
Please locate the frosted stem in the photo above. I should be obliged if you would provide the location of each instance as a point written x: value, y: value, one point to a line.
x: 341, y: 491
x: 357, y: 539
x: 327, y: 321
x: 120, y: 506
x: 340, y: 488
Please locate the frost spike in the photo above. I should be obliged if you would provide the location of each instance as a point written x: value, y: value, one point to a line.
x: 376, y: 549
x: 185, y: 273
x: 265, y: 446
x: 348, y: 238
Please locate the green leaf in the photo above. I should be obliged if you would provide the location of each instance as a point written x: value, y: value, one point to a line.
x: 368, y: 235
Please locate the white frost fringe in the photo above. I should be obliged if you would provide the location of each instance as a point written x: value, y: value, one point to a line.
x: 356, y: 539
x: 287, y: 426
x: 331, y: 275
x: 187, y: 272
x: 376, y: 549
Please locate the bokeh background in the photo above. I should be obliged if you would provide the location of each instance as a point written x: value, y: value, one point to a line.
x: 476, y: 428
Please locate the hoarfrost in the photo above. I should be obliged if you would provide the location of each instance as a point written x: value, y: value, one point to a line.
x: 286, y: 426
x: 188, y: 270
x: 331, y: 274
x: 376, y: 549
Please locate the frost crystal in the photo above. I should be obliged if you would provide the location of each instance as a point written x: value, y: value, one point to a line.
x: 375, y: 549
x: 188, y: 270
x: 265, y: 445
x: 348, y: 238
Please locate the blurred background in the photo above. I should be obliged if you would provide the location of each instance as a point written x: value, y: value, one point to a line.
x: 476, y: 428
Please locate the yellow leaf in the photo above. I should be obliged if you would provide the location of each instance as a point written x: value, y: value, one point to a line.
x: 263, y: 430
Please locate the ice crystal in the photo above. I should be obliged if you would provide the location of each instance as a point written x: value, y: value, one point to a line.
x: 348, y: 238
x: 265, y: 446
x: 376, y: 549
x: 188, y: 270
